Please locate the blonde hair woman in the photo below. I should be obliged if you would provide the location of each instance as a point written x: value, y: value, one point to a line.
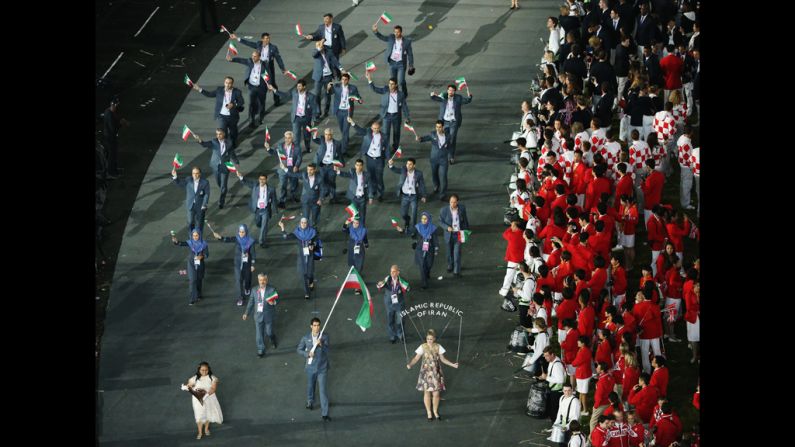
x: 431, y: 379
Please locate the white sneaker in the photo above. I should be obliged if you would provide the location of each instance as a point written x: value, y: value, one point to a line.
x: 691, y: 207
x: 355, y: 2
x: 547, y: 430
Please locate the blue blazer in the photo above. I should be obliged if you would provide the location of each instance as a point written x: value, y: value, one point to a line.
x: 320, y: 361
x: 268, y: 310
x: 309, y: 195
x: 367, y: 138
x: 311, y: 110
x: 202, y: 195
x: 217, y: 159
x: 419, y: 180
x: 337, y: 36
x: 249, y: 63
x: 402, y: 105
x: 406, y: 52
x: 351, y: 194
x: 237, y: 100
x: 321, y: 150
x: 254, y: 198
x: 273, y: 53
x: 295, y: 155
x: 352, y: 90
x: 333, y: 65
x: 458, y: 100
x: 438, y: 154
x: 446, y: 218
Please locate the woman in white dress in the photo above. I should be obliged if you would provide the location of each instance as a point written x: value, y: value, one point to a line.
x: 431, y: 380
x: 208, y: 410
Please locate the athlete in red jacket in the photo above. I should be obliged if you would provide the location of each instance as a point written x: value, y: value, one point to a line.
x: 652, y: 187
x: 668, y: 429
x: 599, y: 437
x: 643, y: 397
x: 659, y: 377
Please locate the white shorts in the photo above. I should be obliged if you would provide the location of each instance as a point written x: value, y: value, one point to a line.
x: 693, y: 330
x: 582, y: 385
x: 627, y: 240
x: 678, y: 302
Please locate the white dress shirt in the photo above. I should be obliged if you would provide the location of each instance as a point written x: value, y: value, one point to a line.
x: 300, y: 108
x: 409, y: 185
x: 227, y: 100
x: 449, y: 110
x: 393, y: 103
x: 397, y: 50
x: 375, y: 146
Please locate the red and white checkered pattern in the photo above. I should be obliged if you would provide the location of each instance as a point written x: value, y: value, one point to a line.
x: 567, y: 162
x: 657, y: 153
x: 610, y: 152
x: 579, y: 138
x: 598, y: 140
x: 695, y: 161
x: 542, y: 160
x: 664, y: 125
x: 638, y: 153
x: 680, y: 114
x: 684, y: 146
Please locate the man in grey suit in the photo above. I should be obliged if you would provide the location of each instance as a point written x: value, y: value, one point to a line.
x: 315, y: 350
x: 313, y: 190
x: 344, y: 105
x: 410, y: 186
x: 332, y: 35
x: 268, y: 53
x: 394, y: 301
x: 325, y: 70
x: 440, y: 144
x: 197, y: 195
x: 328, y: 151
x: 260, y: 202
x: 228, y: 105
x: 290, y: 155
x: 257, y: 92
x: 393, y: 108
x: 223, y: 152
x: 304, y: 110
x: 262, y: 302
x: 398, y: 55
x: 450, y: 113
x: 373, y: 149
x: 358, y: 187
x: 453, y: 219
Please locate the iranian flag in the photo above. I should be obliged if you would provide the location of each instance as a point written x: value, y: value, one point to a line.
x: 272, y: 297
x: 232, y: 48
x: 288, y: 217
x: 282, y: 155
x: 463, y: 236
x: 187, y: 81
x: 230, y: 166
x: 394, y: 222
x: 291, y: 75
x: 409, y: 127
x: 386, y: 18
x: 460, y: 83
x: 268, y: 135
x: 370, y: 66
x: 312, y: 130
x: 298, y: 30
x: 337, y: 163
x: 355, y: 98
x: 352, y: 210
x: 186, y: 132
x: 354, y: 281
x: 398, y: 152
x: 404, y: 285
x: 265, y: 77
x: 177, y: 163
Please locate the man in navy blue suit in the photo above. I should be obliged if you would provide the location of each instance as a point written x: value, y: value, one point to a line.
x: 222, y: 153
x: 453, y: 219
x: 257, y: 92
x: 373, y: 151
x: 290, y: 155
x: 344, y: 105
x: 315, y: 349
x: 440, y: 153
x: 260, y: 203
x: 398, y: 55
x: 304, y: 111
x: 326, y: 69
x: 269, y: 53
x: 332, y: 34
x: 450, y: 113
x: 328, y: 151
x: 410, y: 187
x: 197, y: 196
x: 393, y: 108
x: 228, y: 105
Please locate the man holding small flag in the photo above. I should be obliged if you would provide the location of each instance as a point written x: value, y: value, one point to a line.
x: 393, y: 108
x: 329, y: 150
x: 325, y: 70
x: 440, y: 154
x: 290, y: 156
x: 304, y: 110
x: 345, y: 95
x: 332, y: 35
x: 450, y: 112
x: 257, y: 90
x: 395, y: 289
x: 357, y: 187
x: 268, y: 54
x: 410, y: 186
x: 262, y: 302
x: 228, y: 105
x: 197, y: 196
x: 314, y: 346
x: 223, y: 153
x: 373, y: 149
x: 454, y: 221
x: 260, y: 202
x: 399, y: 54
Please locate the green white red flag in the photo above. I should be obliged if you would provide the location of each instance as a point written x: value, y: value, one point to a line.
x: 355, y: 98
x: 230, y: 166
x: 187, y: 81
x: 186, y: 132
x: 291, y: 75
x: 460, y: 83
x: 354, y: 281
x: 232, y: 48
x: 298, y: 30
x: 352, y: 210
x: 404, y: 285
x: 394, y: 221
x: 266, y: 77
x: 463, y: 236
x: 312, y: 130
x: 337, y: 163
x: 177, y: 163
x: 272, y: 297
x: 386, y: 18
x: 286, y: 218
x: 370, y: 66
x: 409, y: 127
x: 268, y: 135
x: 398, y: 152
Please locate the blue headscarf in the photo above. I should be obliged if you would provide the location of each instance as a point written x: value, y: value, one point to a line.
x: 426, y: 230
x: 245, y: 242
x: 304, y: 235
x: 196, y: 246
x: 357, y: 234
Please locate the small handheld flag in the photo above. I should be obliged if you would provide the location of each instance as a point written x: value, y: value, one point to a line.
x: 272, y: 297
x: 355, y: 98
x: 285, y: 218
x: 266, y: 77
x: 267, y: 134
x: 187, y: 81
x: 186, y: 132
x: 461, y: 83
x: 370, y: 67
x: 298, y: 30
x: 230, y: 166
x: 291, y: 75
x: 394, y: 222
x: 410, y: 128
x: 398, y: 152
x: 232, y: 48
x: 177, y: 163
x: 463, y: 236
x: 337, y: 163
x: 386, y: 18
x: 312, y: 130
x: 352, y: 210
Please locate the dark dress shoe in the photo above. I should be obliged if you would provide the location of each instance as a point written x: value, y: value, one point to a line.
x: 449, y: 270
x: 392, y: 340
x: 327, y: 418
x: 220, y: 206
x: 306, y: 297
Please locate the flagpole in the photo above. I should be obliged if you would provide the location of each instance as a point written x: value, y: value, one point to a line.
x: 460, y: 325
x: 404, y: 338
x: 339, y: 294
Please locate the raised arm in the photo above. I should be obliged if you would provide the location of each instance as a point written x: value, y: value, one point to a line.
x: 379, y: 90
x: 379, y: 35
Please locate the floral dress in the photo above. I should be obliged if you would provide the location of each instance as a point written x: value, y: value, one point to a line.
x: 431, y: 377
